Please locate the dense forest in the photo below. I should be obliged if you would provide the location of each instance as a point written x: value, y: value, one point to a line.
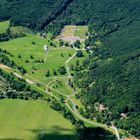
x: 111, y: 74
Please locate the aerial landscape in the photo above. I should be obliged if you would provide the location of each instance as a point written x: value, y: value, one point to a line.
x: 69, y: 69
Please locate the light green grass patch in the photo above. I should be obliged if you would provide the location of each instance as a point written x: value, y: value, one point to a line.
x: 4, y: 26
x: 80, y: 59
x: 81, y: 31
x: 62, y: 86
x: 20, y: 29
x: 25, y: 119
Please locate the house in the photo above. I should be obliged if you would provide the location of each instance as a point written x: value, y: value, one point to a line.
x: 46, y: 48
x: 123, y: 116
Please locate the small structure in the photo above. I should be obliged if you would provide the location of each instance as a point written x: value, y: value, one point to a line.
x: 46, y: 48
x: 123, y: 116
x: 43, y: 35
x: 102, y: 108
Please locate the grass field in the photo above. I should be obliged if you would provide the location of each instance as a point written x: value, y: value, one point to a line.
x: 36, y: 71
x: 62, y: 86
x: 19, y: 29
x: 34, y: 118
x: 4, y: 26
x: 81, y: 31
x: 33, y: 45
x: 24, y: 120
x: 25, y: 48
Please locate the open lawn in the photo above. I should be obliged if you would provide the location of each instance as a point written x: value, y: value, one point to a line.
x: 25, y: 120
x: 62, y: 86
x: 19, y: 29
x: 32, y: 45
x: 81, y: 31
x: 4, y: 26
x: 26, y: 50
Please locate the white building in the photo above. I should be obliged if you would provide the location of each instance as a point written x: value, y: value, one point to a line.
x: 46, y: 48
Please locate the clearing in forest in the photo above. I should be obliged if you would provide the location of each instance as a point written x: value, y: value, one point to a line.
x: 72, y: 33
x: 4, y: 26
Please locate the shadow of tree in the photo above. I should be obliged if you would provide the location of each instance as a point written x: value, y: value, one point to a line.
x: 81, y: 134
x: 94, y: 134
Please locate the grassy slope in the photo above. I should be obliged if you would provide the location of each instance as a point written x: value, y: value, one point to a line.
x: 18, y: 29
x: 4, y: 26
x: 25, y: 48
x: 24, y: 119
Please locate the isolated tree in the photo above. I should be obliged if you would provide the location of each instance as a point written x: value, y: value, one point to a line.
x: 51, y: 44
x: 19, y: 56
x: 22, y: 70
x: 66, y: 44
x: 87, y: 43
x: 42, y: 61
x: 26, y: 61
x: 47, y: 73
x: 70, y: 82
x: 62, y: 99
x: 77, y: 63
x: 72, y: 67
x: 54, y: 72
x: 77, y: 44
x: 79, y: 53
x: 71, y: 45
x: 61, y: 42
x: 62, y: 55
x: 62, y: 70
x: 33, y: 43
x: 31, y: 56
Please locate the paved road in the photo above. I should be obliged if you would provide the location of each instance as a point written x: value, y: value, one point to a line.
x: 116, y: 132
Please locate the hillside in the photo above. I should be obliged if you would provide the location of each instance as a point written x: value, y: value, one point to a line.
x: 30, y: 120
x: 110, y: 75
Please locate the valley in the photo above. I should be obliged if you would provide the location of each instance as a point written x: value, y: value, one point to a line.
x: 72, y: 63
x: 29, y: 53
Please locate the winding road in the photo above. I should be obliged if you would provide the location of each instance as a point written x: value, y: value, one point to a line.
x: 73, y: 109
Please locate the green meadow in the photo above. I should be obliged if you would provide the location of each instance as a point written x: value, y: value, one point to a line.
x: 35, y: 118
x: 81, y: 31
x: 34, y: 45
x: 4, y: 26
x: 27, y: 50
x: 26, y: 120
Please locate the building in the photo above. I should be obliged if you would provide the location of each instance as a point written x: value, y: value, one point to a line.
x: 46, y: 48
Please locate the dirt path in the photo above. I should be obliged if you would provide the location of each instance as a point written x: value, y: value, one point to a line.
x: 74, y: 110
x: 2, y: 66
x: 68, y: 97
